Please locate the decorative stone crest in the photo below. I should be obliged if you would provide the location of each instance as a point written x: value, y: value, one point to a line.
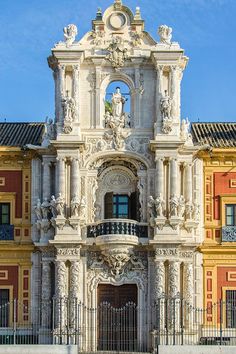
x: 165, y: 34
x: 116, y: 260
x: 70, y: 32
x: 117, y: 52
x: 97, y: 37
x: 165, y: 108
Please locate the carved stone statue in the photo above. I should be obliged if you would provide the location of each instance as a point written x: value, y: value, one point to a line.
x: 116, y: 121
x: 82, y: 208
x: 38, y: 211
x: 151, y: 207
x: 50, y: 131
x: 118, y: 102
x: 70, y: 32
x: 68, y: 105
x: 60, y: 203
x: 184, y: 130
x: 53, y: 206
x: 188, y: 210
x: 196, y: 211
x: 165, y: 34
x: 45, y: 207
x: 75, y: 204
x: 165, y: 108
x: 159, y: 205
x: 174, y: 203
x: 181, y: 206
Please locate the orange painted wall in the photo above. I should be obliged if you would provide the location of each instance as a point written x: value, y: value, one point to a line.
x: 222, y: 280
x: 12, y: 278
x: 222, y: 186
x: 13, y: 183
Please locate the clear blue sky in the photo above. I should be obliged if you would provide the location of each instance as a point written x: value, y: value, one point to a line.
x: 206, y: 29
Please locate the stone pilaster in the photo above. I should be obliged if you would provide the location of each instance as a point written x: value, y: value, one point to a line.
x: 75, y: 178
x: 61, y: 89
x: 159, y: 176
x: 174, y: 92
x: 61, y: 169
x: 159, y: 93
x: 60, y: 293
x: 46, y: 179
x: 76, y: 90
x: 188, y: 182
x: 173, y: 176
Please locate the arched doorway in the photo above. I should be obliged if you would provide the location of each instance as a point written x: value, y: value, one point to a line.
x: 117, y: 317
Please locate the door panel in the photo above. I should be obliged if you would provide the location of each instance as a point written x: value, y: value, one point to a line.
x: 117, y: 317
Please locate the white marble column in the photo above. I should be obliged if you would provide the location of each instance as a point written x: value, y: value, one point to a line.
x: 46, y: 178
x: 46, y: 293
x: 60, y: 293
x: 75, y: 178
x: 137, y: 97
x: 61, y: 89
x: 188, y: 182
x: 74, y: 279
x: 188, y: 283
x: 174, y: 278
x: 57, y: 94
x: 159, y: 278
x: 98, y: 92
x: 159, y: 93
x: 174, y: 85
x: 76, y: 90
x: 159, y: 288
x: 173, y: 176
x: 159, y: 176
x: 61, y: 177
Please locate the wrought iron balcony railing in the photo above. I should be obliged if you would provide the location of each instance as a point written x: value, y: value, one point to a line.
x: 117, y: 227
x: 6, y: 232
x: 229, y: 234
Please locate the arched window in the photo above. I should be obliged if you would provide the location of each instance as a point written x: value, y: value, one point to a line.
x: 118, y: 90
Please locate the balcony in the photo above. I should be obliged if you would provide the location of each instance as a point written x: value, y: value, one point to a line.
x: 6, y: 232
x: 229, y: 234
x: 119, y: 227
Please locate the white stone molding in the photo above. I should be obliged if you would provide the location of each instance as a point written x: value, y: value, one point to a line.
x: 116, y: 260
x: 142, y: 188
x: 68, y: 253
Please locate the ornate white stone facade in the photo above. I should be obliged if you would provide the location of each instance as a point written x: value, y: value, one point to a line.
x: 93, y: 153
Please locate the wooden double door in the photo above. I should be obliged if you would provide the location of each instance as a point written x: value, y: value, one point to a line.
x: 117, y: 317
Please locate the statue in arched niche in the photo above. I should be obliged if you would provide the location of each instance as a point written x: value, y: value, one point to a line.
x: 117, y: 102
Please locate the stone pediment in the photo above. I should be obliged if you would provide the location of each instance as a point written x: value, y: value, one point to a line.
x: 117, y: 24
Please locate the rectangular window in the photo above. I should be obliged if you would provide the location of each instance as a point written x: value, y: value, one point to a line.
x: 120, y: 206
x: 4, y: 213
x: 231, y: 308
x: 230, y: 214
